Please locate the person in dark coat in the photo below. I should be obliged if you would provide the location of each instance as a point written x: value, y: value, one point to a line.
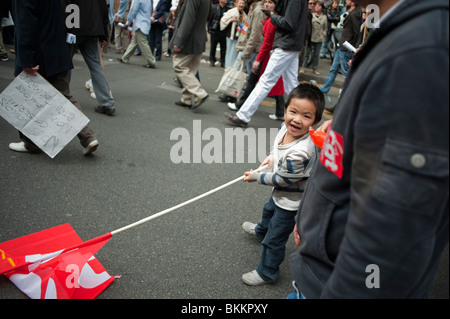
x: 159, y: 24
x: 93, y: 30
x: 217, y: 36
x: 374, y: 218
x: 40, y: 44
x: 188, y: 43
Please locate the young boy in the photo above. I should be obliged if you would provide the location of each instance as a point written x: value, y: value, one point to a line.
x: 290, y: 161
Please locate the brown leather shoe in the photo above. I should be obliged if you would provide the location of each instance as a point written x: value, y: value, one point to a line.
x: 235, y: 120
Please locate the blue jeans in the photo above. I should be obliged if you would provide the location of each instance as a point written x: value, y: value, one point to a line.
x: 340, y: 61
x: 274, y: 230
x: 88, y: 47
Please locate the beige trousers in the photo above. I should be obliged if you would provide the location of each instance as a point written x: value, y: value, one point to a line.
x: 139, y: 39
x: 185, y: 67
x: 121, y: 36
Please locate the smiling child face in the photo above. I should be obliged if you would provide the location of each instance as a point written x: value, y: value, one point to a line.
x: 299, y: 116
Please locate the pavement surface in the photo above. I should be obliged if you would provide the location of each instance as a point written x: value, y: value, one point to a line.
x: 196, y: 252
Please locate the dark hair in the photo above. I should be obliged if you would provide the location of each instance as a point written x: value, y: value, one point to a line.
x: 312, y: 93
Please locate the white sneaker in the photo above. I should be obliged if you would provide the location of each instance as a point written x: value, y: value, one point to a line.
x: 92, y: 147
x: 88, y: 84
x: 18, y: 147
x: 249, y: 228
x: 275, y: 118
x: 232, y: 106
x: 252, y: 278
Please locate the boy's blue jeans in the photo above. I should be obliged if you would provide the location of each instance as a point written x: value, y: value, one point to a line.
x: 274, y: 230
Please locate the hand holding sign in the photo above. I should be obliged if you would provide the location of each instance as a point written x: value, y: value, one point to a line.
x: 41, y: 113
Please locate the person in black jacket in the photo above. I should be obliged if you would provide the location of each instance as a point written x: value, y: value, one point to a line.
x: 93, y: 30
x: 374, y: 218
x: 217, y: 36
x: 159, y: 24
x: 40, y: 44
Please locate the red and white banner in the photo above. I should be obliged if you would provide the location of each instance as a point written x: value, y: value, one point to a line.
x: 55, y: 264
x: 332, y: 154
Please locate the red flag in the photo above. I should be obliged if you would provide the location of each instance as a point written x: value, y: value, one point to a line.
x: 55, y: 263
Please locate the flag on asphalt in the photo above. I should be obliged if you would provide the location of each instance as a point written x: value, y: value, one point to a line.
x: 55, y: 264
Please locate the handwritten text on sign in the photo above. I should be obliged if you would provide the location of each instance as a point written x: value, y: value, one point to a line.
x: 41, y: 113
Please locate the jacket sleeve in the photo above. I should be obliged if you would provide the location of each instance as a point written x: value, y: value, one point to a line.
x: 292, y: 170
x: 122, y: 8
x: 186, y: 25
x: 162, y: 7
x: 133, y: 11
x: 105, y: 16
x: 27, y: 30
x: 290, y: 21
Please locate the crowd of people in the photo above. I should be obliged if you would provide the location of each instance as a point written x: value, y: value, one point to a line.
x: 377, y: 194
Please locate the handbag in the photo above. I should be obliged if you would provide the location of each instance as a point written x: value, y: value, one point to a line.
x: 233, y: 81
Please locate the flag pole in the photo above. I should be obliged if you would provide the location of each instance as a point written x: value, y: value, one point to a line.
x: 169, y: 210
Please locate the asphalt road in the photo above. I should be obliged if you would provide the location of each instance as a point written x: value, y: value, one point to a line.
x: 196, y: 252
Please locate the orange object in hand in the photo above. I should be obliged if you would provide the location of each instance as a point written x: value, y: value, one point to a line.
x: 318, y: 137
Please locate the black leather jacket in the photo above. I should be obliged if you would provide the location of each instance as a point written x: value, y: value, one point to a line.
x: 291, y: 24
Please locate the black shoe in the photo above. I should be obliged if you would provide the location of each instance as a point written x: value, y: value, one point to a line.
x: 181, y: 103
x: 150, y: 66
x: 105, y: 110
x: 235, y: 120
x: 196, y: 105
x: 120, y: 60
x: 225, y: 98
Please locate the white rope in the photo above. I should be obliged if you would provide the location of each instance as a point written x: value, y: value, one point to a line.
x: 164, y: 212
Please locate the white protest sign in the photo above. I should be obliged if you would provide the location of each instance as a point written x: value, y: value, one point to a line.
x: 41, y: 113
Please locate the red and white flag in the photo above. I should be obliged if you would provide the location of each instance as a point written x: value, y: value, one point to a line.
x: 55, y: 264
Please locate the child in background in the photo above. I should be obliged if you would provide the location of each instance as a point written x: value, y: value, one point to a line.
x: 291, y: 162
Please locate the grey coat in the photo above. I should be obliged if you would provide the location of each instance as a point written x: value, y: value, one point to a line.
x: 190, y: 26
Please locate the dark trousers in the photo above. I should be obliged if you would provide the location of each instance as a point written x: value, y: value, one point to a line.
x: 215, y: 39
x: 155, y: 40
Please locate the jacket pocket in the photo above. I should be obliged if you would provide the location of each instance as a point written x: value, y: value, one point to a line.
x: 318, y: 238
x: 412, y: 176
